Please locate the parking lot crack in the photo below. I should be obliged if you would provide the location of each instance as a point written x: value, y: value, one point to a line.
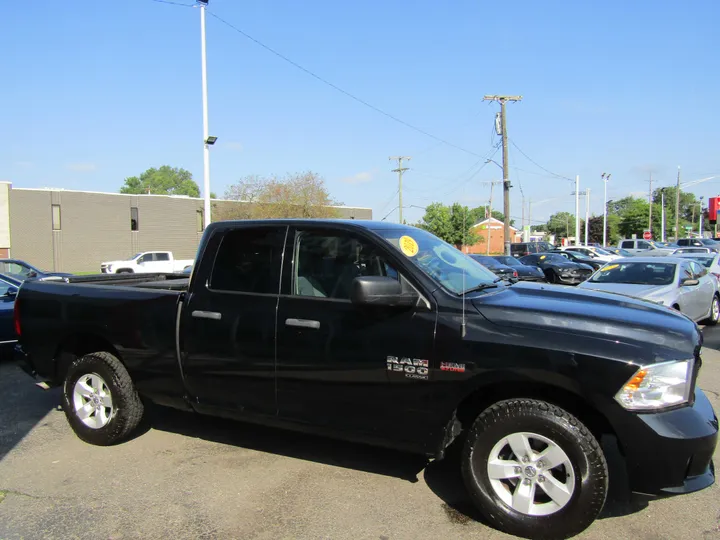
x: 5, y: 492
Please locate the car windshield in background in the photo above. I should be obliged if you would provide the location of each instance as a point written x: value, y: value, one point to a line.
x: 636, y: 273
x: 485, y: 260
x: 601, y: 251
x: 553, y: 258
x: 705, y: 261
x: 709, y: 242
x: 446, y: 264
x: 508, y: 260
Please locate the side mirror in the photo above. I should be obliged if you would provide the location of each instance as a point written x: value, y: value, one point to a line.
x: 380, y: 291
x: 689, y: 282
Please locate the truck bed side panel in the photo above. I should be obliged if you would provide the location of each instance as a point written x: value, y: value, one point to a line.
x: 138, y: 323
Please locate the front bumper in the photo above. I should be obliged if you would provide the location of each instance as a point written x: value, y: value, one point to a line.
x: 670, y: 452
x: 571, y: 280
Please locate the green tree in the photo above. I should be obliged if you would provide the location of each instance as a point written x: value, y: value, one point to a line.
x: 450, y: 223
x: 163, y: 181
x: 634, y: 216
x: 561, y: 224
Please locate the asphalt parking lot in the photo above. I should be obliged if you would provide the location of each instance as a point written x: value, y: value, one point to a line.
x: 193, y: 477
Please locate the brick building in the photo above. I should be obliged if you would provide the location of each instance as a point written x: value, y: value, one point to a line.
x: 496, y: 228
x: 74, y: 231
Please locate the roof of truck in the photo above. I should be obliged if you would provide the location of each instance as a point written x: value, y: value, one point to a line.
x: 355, y: 223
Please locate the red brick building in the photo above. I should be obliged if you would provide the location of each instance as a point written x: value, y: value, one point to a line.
x: 496, y: 228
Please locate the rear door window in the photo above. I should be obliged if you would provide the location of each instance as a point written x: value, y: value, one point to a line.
x: 628, y: 244
x: 162, y: 256
x: 249, y: 260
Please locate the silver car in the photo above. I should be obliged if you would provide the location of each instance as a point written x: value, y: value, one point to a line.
x: 683, y: 284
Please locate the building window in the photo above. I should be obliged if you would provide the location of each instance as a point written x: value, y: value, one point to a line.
x: 56, y: 217
x: 200, y: 221
x: 134, y: 221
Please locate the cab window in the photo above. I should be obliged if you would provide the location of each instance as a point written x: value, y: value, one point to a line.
x: 327, y: 264
x: 628, y: 244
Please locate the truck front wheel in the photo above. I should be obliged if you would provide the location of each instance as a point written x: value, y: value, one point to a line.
x: 534, y: 470
x: 99, y: 399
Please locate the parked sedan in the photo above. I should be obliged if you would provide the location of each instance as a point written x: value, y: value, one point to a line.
x: 558, y: 269
x: 680, y: 251
x: 592, y: 252
x: 578, y: 257
x: 22, y: 270
x: 524, y: 272
x: 496, y: 267
x: 682, y: 284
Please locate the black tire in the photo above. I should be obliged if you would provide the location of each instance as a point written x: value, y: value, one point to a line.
x: 550, y: 276
x: 714, y: 313
x: 589, y: 469
x: 127, y: 409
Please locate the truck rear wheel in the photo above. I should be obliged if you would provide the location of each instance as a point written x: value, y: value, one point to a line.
x: 534, y: 470
x: 99, y: 399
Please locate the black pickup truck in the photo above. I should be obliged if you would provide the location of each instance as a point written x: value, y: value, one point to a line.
x: 384, y: 334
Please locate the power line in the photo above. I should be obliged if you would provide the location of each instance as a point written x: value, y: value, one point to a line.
x: 173, y: 3
x: 531, y: 160
x: 484, y: 161
x: 336, y: 87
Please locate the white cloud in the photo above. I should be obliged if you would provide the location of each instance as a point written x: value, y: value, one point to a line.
x: 359, y: 178
x: 234, y: 145
x: 81, y: 167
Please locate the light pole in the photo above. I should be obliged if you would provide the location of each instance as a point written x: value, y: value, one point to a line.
x: 701, y: 218
x: 605, y: 177
x: 207, y: 140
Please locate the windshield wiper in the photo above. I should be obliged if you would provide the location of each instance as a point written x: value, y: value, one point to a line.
x: 483, y: 286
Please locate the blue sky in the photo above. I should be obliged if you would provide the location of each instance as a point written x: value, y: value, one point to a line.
x: 96, y: 91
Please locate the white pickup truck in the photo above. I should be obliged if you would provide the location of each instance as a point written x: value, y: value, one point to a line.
x: 146, y: 263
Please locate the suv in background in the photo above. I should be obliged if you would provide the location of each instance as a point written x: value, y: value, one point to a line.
x: 646, y: 247
x: 709, y: 243
x: 527, y: 248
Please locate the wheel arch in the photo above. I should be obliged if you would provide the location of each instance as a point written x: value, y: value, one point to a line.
x: 77, y: 346
x: 483, y: 396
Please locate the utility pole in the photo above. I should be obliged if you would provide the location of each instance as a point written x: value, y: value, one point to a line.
x: 400, y: 170
x: 677, y: 207
x: 650, y: 201
x: 489, y: 215
x: 587, y: 214
x: 605, y: 177
x: 506, y: 164
x: 662, y: 220
x: 206, y: 146
x: 577, y: 210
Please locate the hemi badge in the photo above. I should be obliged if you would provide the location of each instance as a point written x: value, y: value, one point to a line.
x: 452, y: 366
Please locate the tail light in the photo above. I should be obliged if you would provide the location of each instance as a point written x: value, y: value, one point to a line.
x: 16, y: 317
x: 515, y: 274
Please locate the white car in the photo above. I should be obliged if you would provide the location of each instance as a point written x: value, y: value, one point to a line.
x: 682, y: 284
x: 147, y: 262
x: 593, y: 252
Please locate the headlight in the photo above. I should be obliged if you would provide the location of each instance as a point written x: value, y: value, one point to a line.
x: 657, y: 386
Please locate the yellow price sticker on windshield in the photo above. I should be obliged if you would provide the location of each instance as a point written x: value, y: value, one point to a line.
x: 609, y: 267
x: 542, y: 257
x: 408, y: 246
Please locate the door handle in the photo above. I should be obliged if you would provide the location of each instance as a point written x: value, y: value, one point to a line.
x: 303, y: 323
x: 214, y: 315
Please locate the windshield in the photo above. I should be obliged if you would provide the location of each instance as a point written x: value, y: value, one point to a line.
x: 447, y: 265
x: 636, y: 273
x: 552, y: 257
x: 507, y: 260
x: 709, y: 242
x: 135, y: 256
x: 601, y: 251
x: 485, y: 260
x: 705, y: 261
